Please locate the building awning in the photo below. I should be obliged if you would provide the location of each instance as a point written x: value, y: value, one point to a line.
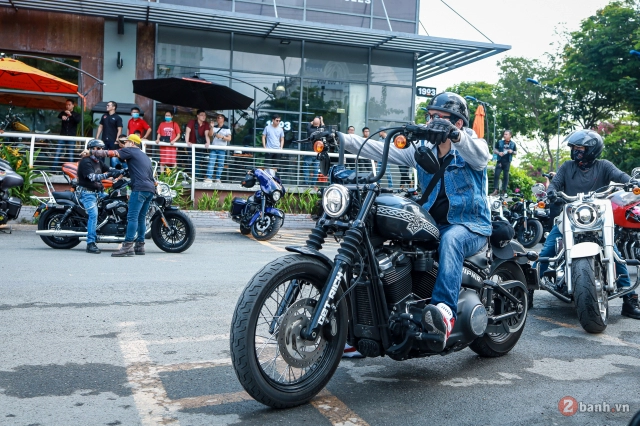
x: 434, y: 55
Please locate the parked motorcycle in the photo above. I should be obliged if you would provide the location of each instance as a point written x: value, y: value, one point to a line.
x: 9, y: 206
x: 293, y: 317
x: 583, y: 270
x: 258, y: 215
x: 519, y: 215
x: 626, y: 216
x: 62, y: 222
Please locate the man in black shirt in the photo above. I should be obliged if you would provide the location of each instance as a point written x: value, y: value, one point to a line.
x: 70, y: 121
x: 91, y: 172
x: 142, y: 189
x: 110, y: 126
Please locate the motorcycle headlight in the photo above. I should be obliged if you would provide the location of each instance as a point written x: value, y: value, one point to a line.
x: 584, y: 215
x: 276, y: 195
x: 335, y: 200
x: 532, y: 206
x: 163, y: 190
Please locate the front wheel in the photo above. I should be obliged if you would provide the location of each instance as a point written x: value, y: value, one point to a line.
x: 498, y: 344
x: 266, y: 227
x: 274, y: 364
x: 51, y: 220
x: 590, y: 294
x: 532, y: 235
x: 174, y: 236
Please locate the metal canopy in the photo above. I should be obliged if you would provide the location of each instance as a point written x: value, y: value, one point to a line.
x: 435, y: 55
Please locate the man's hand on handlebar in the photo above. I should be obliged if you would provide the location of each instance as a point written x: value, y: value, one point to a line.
x: 438, y: 130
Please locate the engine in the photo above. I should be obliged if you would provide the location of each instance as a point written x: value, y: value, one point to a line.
x: 117, y: 209
x: 628, y: 242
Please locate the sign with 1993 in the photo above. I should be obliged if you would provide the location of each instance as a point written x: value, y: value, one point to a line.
x: 425, y: 91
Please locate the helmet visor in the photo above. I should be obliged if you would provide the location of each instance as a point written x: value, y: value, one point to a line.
x: 582, y: 139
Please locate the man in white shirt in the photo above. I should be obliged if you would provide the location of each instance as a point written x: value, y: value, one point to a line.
x: 273, y: 138
x: 220, y: 136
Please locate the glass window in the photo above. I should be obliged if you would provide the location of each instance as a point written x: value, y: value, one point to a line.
x: 290, y: 13
x: 338, y: 19
x: 284, y: 91
x: 209, y: 4
x: 390, y: 103
x: 396, y: 26
x: 270, y: 55
x: 336, y: 63
x: 391, y: 67
x: 362, y: 7
x: 193, y: 48
x: 289, y: 3
x: 256, y: 9
x: 164, y: 71
x: 326, y: 99
x: 398, y: 9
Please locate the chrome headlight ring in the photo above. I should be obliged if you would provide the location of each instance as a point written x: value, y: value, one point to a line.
x: 335, y: 200
x: 163, y: 190
x: 275, y: 196
x: 584, y: 215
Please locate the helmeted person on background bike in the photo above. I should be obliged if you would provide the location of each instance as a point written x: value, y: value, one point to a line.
x: 91, y: 172
x: 457, y: 203
x: 587, y: 173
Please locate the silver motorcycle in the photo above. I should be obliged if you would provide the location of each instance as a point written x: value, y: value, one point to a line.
x: 583, y: 270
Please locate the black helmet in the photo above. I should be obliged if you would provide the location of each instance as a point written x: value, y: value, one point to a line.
x: 95, y: 143
x: 590, y: 140
x: 451, y: 103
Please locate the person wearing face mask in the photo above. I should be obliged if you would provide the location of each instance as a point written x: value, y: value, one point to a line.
x: 168, y: 131
x: 137, y: 123
x: 584, y: 174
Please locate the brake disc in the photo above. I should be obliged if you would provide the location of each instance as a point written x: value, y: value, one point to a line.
x: 295, y: 350
x: 263, y: 224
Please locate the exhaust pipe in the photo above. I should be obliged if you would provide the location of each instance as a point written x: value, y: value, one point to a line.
x: 60, y: 233
x: 106, y: 239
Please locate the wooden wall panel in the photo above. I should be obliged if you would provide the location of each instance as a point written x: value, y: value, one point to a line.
x: 50, y: 33
x: 145, y: 63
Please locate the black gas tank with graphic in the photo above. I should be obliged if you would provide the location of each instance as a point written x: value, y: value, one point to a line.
x: 398, y: 218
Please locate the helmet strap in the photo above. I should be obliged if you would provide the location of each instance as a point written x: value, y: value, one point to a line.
x: 585, y: 166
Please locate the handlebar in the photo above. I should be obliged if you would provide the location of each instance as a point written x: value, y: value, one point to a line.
x: 611, y: 188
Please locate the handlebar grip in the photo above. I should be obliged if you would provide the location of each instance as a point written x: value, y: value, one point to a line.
x: 633, y: 262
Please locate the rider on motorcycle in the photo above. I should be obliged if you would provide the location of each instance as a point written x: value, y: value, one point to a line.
x: 586, y: 173
x: 91, y: 172
x: 458, y: 202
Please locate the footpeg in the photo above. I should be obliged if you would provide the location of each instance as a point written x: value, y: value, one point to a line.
x: 369, y: 348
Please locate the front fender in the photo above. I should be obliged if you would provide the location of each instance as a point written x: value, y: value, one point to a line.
x: 269, y: 210
x: 586, y: 249
x: 307, y: 251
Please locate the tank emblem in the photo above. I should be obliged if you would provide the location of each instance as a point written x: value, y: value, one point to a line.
x: 414, y: 222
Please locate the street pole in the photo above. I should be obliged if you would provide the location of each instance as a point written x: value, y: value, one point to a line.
x: 558, y: 148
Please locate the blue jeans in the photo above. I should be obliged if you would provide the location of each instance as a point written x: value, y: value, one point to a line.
x: 310, y: 169
x: 387, y: 172
x: 115, y: 161
x: 549, y: 250
x: 456, y: 244
x: 89, y: 201
x: 136, y: 223
x: 63, y: 145
x: 216, y: 158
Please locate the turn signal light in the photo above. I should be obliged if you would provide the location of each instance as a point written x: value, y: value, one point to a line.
x: 400, y: 142
x: 318, y: 146
x: 541, y: 205
x: 636, y: 191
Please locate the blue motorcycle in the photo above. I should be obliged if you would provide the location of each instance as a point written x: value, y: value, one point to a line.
x: 258, y: 214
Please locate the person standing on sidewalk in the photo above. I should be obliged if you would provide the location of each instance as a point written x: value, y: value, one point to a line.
x: 137, y: 123
x: 220, y: 136
x: 110, y: 126
x: 505, y: 149
x: 69, y: 127
x: 273, y: 138
x: 142, y: 190
x: 197, y: 132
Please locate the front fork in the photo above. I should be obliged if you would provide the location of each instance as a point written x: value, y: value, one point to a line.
x: 291, y: 294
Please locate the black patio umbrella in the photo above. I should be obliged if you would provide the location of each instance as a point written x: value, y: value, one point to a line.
x: 191, y: 92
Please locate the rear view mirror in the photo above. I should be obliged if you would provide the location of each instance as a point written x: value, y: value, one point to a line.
x: 635, y: 173
x: 325, y: 163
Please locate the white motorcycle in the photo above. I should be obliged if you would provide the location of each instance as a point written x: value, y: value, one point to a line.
x: 583, y: 270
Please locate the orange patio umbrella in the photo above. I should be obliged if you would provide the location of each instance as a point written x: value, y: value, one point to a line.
x: 17, y: 75
x: 33, y: 101
x: 478, y: 121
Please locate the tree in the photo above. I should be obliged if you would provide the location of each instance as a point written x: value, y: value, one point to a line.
x: 599, y: 75
x: 622, y: 145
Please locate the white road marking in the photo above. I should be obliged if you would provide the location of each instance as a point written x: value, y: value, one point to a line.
x: 474, y: 381
x: 582, y: 369
x: 358, y: 372
x: 205, y: 338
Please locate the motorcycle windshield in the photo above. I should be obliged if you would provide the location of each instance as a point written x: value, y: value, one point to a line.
x: 624, y: 199
x: 268, y: 183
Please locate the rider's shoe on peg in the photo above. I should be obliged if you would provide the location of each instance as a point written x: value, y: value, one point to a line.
x: 351, y: 352
x: 93, y: 248
x: 630, y: 307
x: 125, y: 251
x: 438, y: 320
x: 494, y: 193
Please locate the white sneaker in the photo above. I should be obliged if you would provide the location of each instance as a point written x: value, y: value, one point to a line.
x: 207, y: 181
x: 351, y: 352
x: 217, y: 181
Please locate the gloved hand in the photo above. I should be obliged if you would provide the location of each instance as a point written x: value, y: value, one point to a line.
x: 439, y: 130
x: 552, y: 196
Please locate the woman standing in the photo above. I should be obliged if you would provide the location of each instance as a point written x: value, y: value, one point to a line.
x: 168, y: 131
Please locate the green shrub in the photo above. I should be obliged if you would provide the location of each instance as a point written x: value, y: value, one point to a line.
x: 19, y: 162
x: 519, y: 180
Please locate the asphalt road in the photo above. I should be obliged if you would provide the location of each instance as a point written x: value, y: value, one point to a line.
x: 94, y: 340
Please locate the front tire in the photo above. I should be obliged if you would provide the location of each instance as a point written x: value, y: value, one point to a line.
x: 51, y: 220
x: 177, y: 236
x: 273, y: 363
x: 532, y: 235
x: 494, y: 345
x: 590, y: 295
x: 265, y: 228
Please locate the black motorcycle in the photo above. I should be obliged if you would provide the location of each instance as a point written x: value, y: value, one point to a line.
x: 9, y: 206
x: 545, y: 212
x: 293, y: 318
x: 526, y: 225
x: 62, y: 222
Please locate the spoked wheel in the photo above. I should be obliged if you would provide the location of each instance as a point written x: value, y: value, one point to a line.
x: 266, y: 227
x: 590, y: 294
x: 52, y: 220
x: 176, y: 235
x: 498, y: 344
x: 273, y: 362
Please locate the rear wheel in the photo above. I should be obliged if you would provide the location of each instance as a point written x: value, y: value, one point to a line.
x: 176, y: 235
x: 532, y: 235
x: 590, y: 295
x: 51, y: 220
x: 498, y: 344
x: 266, y: 227
x: 274, y: 364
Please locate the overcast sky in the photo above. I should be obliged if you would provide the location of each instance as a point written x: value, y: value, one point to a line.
x: 527, y: 26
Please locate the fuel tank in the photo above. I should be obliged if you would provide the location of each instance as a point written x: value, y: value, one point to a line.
x: 9, y: 179
x: 623, y: 205
x: 399, y: 218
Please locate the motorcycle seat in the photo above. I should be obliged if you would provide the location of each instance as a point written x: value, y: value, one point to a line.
x: 480, y: 259
x: 64, y: 195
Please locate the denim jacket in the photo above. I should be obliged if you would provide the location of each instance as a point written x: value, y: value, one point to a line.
x: 465, y: 178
